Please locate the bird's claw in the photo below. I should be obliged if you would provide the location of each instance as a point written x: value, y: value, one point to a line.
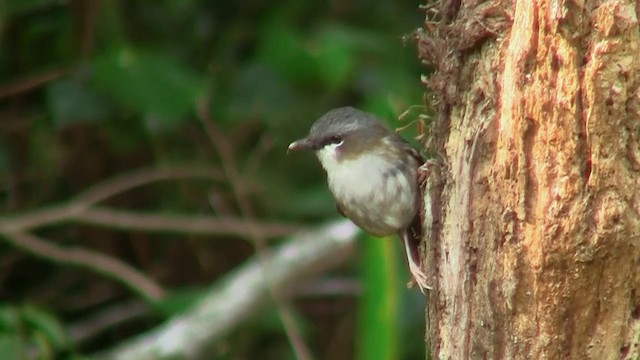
x: 425, y: 169
x: 419, y: 278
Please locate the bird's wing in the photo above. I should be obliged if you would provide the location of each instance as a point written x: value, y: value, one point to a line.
x: 414, y: 153
x: 402, y: 143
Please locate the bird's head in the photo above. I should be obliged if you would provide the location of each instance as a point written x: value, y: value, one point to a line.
x: 343, y: 133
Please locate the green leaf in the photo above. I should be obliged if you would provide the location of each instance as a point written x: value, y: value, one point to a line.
x: 281, y: 48
x: 339, y: 47
x: 45, y: 348
x: 259, y: 92
x: 361, y: 40
x: 71, y: 101
x: 337, y: 59
x: 378, y: 323
x: 11, y: 347
x: 46, y: 327
x: 179, y: 300
x: 9, y: 319
x: 160, y: 89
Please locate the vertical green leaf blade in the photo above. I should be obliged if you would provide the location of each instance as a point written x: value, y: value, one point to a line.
x: 378, y: 324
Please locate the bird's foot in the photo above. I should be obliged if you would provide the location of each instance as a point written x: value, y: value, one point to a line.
x: 430, y: 166
x: 425, y: 169
x: 419, y: 278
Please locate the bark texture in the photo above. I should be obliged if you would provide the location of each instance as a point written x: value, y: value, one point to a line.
x: 534, y: 222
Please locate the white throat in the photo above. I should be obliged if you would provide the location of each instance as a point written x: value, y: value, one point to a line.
x: 329, y: 156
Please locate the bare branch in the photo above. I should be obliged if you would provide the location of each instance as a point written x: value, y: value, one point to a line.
x: 31, y: 82
x: 122, y: 183
x: 15, y: 228
x: 102, y: 191
x: 88, y: 259
x: 241, y: 294
x: 81, y: 209
x: 131, y: 220
x: 38, y: 218
x: 95, y: 324
x: 190, y: 224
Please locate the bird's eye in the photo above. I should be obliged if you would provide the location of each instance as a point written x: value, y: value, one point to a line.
x: 335, y: 139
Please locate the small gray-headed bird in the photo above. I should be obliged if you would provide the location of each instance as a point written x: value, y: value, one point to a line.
x: 373, y: 175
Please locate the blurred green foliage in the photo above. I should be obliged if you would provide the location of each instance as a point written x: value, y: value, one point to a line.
x: 380, y: 335
x: 29, y: 328
x: 90, y: 89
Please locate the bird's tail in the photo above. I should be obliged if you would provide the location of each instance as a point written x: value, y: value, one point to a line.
x: 413, y: 238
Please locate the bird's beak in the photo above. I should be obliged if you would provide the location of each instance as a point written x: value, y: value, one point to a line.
x: 302, y: 144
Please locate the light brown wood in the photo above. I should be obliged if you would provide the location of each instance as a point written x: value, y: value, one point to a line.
x: 535, y: 244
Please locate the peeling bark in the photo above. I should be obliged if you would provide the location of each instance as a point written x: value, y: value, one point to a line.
x: 534, y: 246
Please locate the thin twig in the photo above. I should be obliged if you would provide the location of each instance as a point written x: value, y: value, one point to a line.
x: 95, y: 324
x: 81, y: 209
x: 133, y: 220
x: 264, y: 145
x: 330, y: 287
x: 191, y: 224
x: 92, y: 326
x: 31, y: 82
x: 125, y: 182
x: 15, y: 228
x: 219, y: 141
x: 38, y: 218
x: 88, y: 259
x: 100, y: 192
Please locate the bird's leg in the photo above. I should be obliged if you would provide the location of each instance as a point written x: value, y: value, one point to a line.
x: 412, y: 235
x: 411, y: 241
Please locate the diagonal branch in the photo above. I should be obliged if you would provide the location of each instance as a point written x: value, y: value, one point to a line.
x: 125, y: 182
x: 82, y: 209
x: 88, y: 259
x: 192, y: 224
x: 15, y: 228
x: 131, y: 220
x: 31, y: 82
x: 241, y: 295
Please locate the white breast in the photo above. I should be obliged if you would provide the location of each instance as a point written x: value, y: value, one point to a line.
x: 373, y: 195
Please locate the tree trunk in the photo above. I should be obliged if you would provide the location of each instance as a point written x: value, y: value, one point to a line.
x: 533, y: 223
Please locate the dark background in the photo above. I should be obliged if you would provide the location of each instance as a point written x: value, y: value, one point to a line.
x: 94, y: 89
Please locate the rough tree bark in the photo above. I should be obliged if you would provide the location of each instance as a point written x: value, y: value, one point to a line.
x: 534, y: 220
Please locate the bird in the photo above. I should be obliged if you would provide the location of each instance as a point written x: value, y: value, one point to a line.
x: 373, y: 174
